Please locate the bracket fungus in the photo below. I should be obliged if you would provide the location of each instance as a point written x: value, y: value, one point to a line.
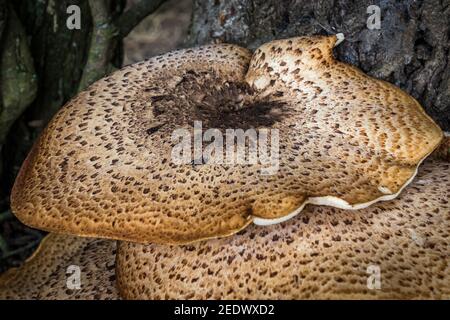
x: 52, y: 273
x: 104, y: 168
x: 392, y: 250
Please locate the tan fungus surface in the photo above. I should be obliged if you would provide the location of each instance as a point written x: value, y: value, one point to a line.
x: 45, y: 274
x: 322, y: 253
x: 103, y: 166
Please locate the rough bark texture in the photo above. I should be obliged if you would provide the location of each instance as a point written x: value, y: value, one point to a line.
x: 411, y: 49
x: 18, y: 82
x: 44, y: 64
x: 3, y: 15
x: 60, y: 56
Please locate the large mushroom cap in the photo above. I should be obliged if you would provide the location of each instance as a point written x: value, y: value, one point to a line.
x: 46, y: 274
x: 358, y: 139
x: 104, y: 166
x: 325, y: 253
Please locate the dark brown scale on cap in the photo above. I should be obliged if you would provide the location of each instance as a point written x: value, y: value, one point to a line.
x: 103, y: 167
x: 327, y: 253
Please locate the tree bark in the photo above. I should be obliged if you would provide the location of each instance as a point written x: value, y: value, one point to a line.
x: 44, y: 64
x: 410, y: 50
x: 3, y: 16
x: 58, y: 57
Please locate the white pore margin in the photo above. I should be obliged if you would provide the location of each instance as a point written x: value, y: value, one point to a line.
x: 336, y: 202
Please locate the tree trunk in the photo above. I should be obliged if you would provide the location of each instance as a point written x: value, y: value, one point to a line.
x: 54, y: 63
x: 59, y: 59
x: 44, y: 64
x: 410, y: 50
